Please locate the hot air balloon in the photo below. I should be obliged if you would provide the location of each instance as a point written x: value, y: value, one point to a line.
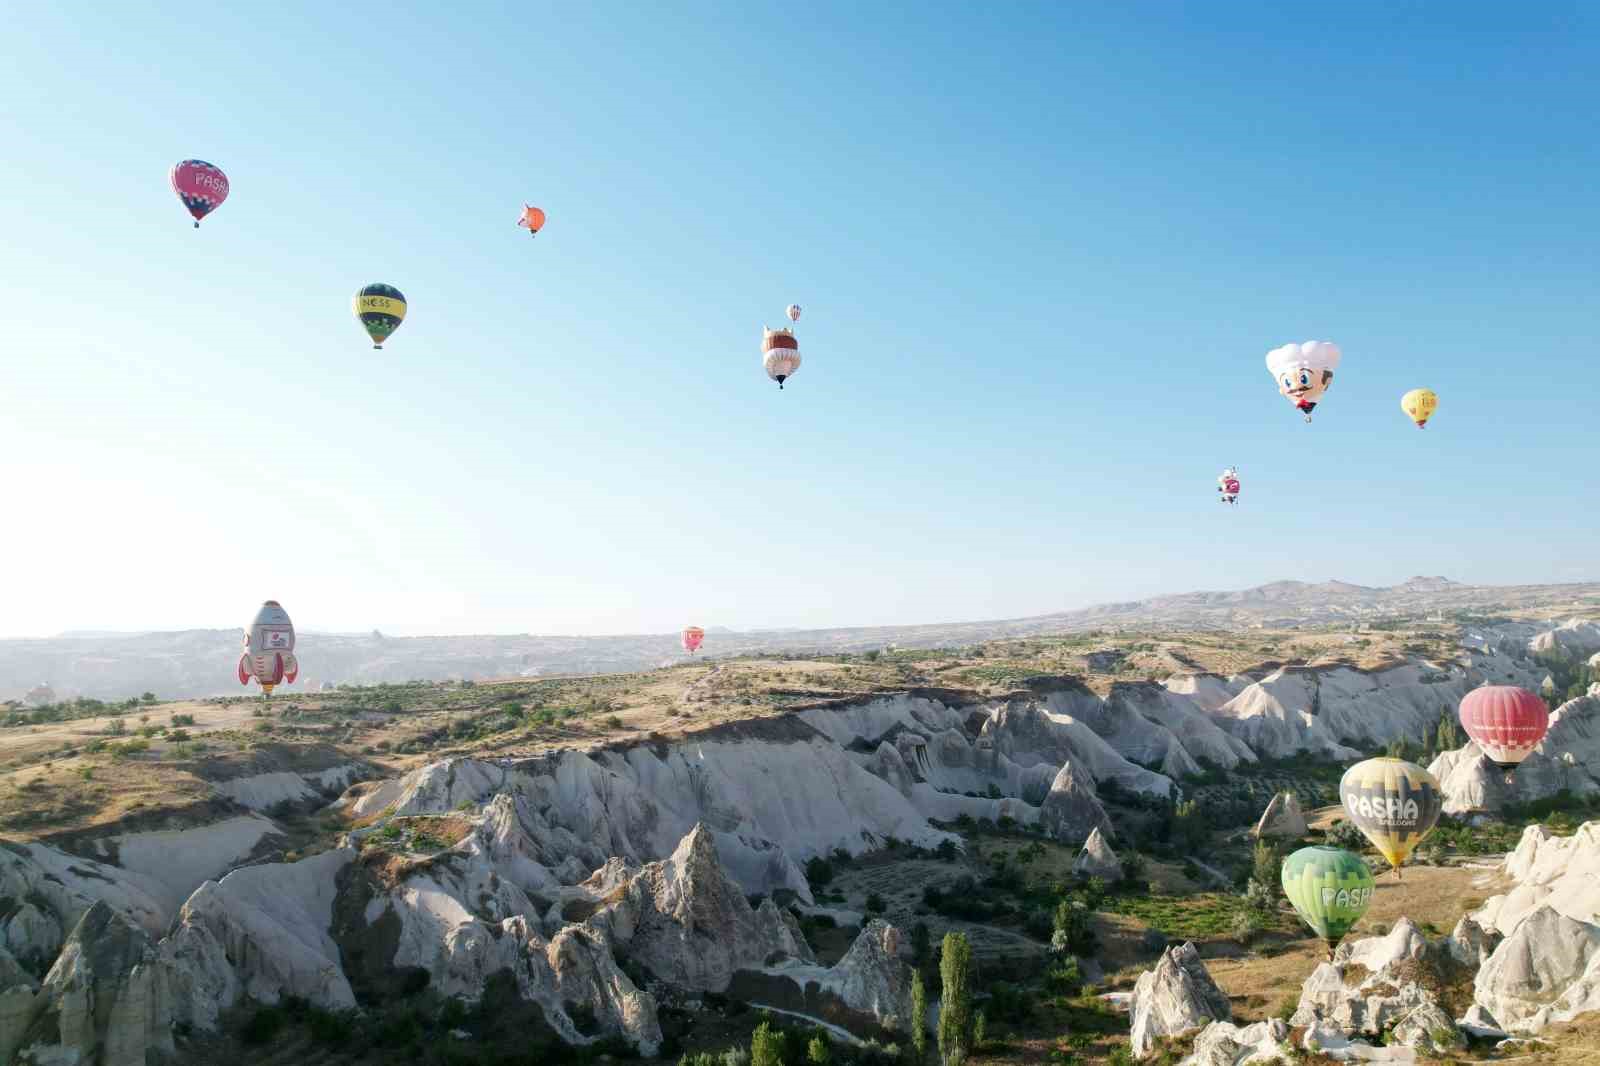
x: 1304, y: 371
x: 269, y: 649
x: 692, y: 636
x: 1394, y: 802
x: 381, y: 308
x: 201, y: 186
x: 780, y: 354
x: 532, y: 220
x: 1506, y: 721
x: 1228, y: 486
x: 1419, y: 405
x: 793, y: 312
x: 1330, y: 889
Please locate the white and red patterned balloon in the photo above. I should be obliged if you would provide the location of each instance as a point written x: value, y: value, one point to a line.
x: 201, y: 186
x: 692, y: 638
x: 793, y: 312
x: 1506, y: 721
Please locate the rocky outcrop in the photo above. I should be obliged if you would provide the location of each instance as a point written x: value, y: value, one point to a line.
x: 1072, y: 811
x: 1059, y: 732
x: 689, y: 924
x: 1226, y: 1044
x: 1558, y: 872
x: 1282, y: 820
x: 1371, y: 986
x: 101, y: 1001
x: 1208, y: 692
x: 1469, y: 944
x: 1575, y: 638
x: 1547, y: 969
x: 1176, y: 997
x: 1097, y: 859
x: 280, y: 788
x: 1180, y: 734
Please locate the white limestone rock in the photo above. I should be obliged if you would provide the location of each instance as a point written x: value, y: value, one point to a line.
x: 1283, y: 819
x: 1176, y: 997
x: 1097, y: 859
x: 1541, y: 972
x: 1072, y: 811
x: 1226, y: 1044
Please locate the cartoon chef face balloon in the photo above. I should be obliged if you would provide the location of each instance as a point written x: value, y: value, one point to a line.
x: 1304, y: 371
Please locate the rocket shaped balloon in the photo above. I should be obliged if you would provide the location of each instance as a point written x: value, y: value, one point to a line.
x: 269, y: 649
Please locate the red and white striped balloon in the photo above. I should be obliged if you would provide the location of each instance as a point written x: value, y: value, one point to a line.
x: 692, y: 636
x: 1506, y: 721
x: 793, y: 312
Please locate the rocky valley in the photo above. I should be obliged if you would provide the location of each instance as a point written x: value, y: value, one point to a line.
x: 648, y: 865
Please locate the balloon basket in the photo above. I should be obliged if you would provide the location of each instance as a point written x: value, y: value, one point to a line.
x: 197, y: 225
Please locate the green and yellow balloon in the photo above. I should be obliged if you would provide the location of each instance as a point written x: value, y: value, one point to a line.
x: 381, y: 308
x: 1330, y: 889
x: 1394, y: 802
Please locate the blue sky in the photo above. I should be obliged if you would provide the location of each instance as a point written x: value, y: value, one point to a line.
x: 1042, y: 251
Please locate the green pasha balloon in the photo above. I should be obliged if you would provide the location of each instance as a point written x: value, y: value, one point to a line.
x: 381, y: 308
x: 1330, y: 889
x: 1394, y: 802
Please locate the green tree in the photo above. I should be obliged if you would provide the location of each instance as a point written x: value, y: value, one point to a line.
x: 980, y: 1029
x: 766, y: 1046
x: 955, y: 1005
x: 817, y: 1051
x: 921, y: 945
x: 919, y: 1017
x: 1446, y: 738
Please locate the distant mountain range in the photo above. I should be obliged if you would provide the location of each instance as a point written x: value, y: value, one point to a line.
x: 200, y: 662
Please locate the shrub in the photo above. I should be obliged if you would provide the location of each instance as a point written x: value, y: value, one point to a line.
x: 736, y: 1056
x: 183, y: 719
x: 263, y: 1025
x: 1065, y: 977
x: 874, y: 903
x: 819, y: 872
x: 980, y: 1029
x: 817, y: 1051
x: 1075, y: 923
x: 1246, y: 925
x: 766, y: 1046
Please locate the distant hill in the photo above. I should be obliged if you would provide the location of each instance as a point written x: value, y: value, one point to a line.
x: 200, y: 662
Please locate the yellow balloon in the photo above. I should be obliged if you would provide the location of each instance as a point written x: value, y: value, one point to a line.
x: 1419, y: 405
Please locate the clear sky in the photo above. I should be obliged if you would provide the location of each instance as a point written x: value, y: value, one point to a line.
x: 1042, y: 251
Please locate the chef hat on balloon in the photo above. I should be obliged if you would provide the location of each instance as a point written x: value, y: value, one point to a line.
x: 1317, y: 355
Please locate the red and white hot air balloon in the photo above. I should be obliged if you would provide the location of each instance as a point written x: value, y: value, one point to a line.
x: 793, y: 311
x: 269, y: 649
x: 1506, y: 721
x: 692, y: 637
x: 780, y: 354
x: 201, y: 186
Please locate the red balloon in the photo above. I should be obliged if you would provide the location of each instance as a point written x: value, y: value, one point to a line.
x: 692, y: 636
x: 201, y: 186
x: 1506, y: 721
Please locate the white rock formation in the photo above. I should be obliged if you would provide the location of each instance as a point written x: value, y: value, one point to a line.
x: 1379, y: 993
x: 1226, y: 1044
x: 870, y: 983
x: 1562, y: 873
x: 1283, y: 819
x: 1028, y: 733
x: 1575, y: 637
x: 1097, y: 859
x: 1207, y: 691
x: 688, y: 923
x: 1072, y: 811
x: 1183, y: 733
x: 1176, y: 997
x: 1547, y: 969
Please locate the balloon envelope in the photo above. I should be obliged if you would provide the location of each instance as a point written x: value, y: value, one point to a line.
x: 1506, y: 721
x: 692, y: 637
x: 1419, y: 405
x: 532, y: 219
x: 780, y: 354
x: 793, y: 312
x: 269, y: 649
x: 1330, y: 889
x: 1304, y: 371
x: 1394, y: 802
x: 201, y: 186
x: 381, y: 308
